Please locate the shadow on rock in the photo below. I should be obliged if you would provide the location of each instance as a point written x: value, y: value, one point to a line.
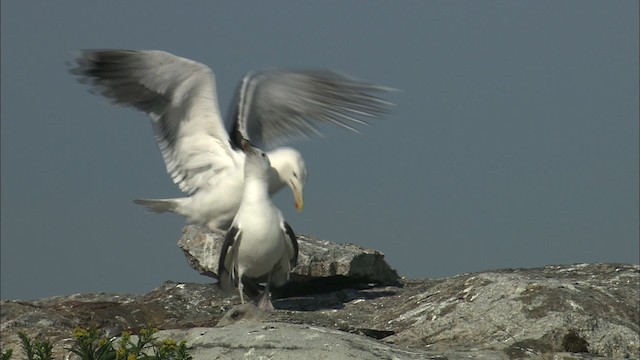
x: 333, y: 297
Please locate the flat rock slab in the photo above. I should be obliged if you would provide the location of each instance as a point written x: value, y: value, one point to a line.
x: 276, y: 340
x: 316, y: 259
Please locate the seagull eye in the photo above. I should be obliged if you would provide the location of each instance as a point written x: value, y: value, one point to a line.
x: 264, y: 155
x: 235, y: 314
x: 295, y: 175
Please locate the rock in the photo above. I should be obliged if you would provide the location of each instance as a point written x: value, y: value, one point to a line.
x: 317, y: 259
x: 582, y: 308
x: 171, y: 305
x: 583, y: 311
x: 276, y: 340
x: 589, y: 308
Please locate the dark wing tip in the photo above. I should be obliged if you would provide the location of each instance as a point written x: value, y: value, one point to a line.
x: 294, y: 241
x: 225, y: 281
x: 226, y: 244
x: 236, y: 137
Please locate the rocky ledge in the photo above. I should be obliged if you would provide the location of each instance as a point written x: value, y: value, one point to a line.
x: 318, y: 260
x: 582, y: 311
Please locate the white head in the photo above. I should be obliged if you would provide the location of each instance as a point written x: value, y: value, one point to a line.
x: 288, y: 168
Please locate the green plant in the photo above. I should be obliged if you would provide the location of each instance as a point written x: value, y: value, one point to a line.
x: 128, y: 350
x: 169, y: 349
x: 37, y: 350
x: 89, y: 345
x: 6, y: 355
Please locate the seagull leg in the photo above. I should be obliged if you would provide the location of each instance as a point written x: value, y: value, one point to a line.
x: 264, y: 302
x: 240, y: 286
x: 251, y: 288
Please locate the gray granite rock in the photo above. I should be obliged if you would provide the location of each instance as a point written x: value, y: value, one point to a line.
x: 582, y: 311
x: 317, y: 258
x: 585, y: 308
x: 591, y: 309
x: 283, y: 341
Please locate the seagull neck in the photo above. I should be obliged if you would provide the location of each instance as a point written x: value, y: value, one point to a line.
x: 276, y: 182
x: 255, y: 189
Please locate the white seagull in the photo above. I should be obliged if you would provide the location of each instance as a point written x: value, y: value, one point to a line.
x: 202, y: 158
x: 259, y: 246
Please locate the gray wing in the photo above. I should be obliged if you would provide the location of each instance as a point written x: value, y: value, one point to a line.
x: 293, y: 242
x: 179, y: 96
x: 226, y: 277
x: 275, y: 107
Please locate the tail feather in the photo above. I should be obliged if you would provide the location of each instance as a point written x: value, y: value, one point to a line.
x: 225, y: 283
x: 158, y: 205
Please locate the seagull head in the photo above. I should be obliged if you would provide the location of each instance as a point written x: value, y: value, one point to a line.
x: 257, y: 162
x: 288, y: 168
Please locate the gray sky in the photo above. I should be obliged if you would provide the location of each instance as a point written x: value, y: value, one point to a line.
x: 514, y: 142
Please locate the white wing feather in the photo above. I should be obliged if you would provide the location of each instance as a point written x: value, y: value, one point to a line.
x: 180, y: 97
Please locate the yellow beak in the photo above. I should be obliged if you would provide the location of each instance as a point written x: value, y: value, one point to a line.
x: 298, y: 196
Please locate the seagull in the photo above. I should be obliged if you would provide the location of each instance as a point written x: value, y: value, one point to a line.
x: 241, y: 313
x: 206, y: 161
x: 259, y: 245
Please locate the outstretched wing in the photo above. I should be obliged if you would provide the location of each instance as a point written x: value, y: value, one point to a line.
x: 275, y: 107
x: 179, y: 95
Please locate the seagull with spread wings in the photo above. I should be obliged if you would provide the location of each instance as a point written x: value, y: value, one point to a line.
x: 271, y: 108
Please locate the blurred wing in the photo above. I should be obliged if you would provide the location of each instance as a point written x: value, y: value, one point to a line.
x: 179, y: 95
x: 275, y: 107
